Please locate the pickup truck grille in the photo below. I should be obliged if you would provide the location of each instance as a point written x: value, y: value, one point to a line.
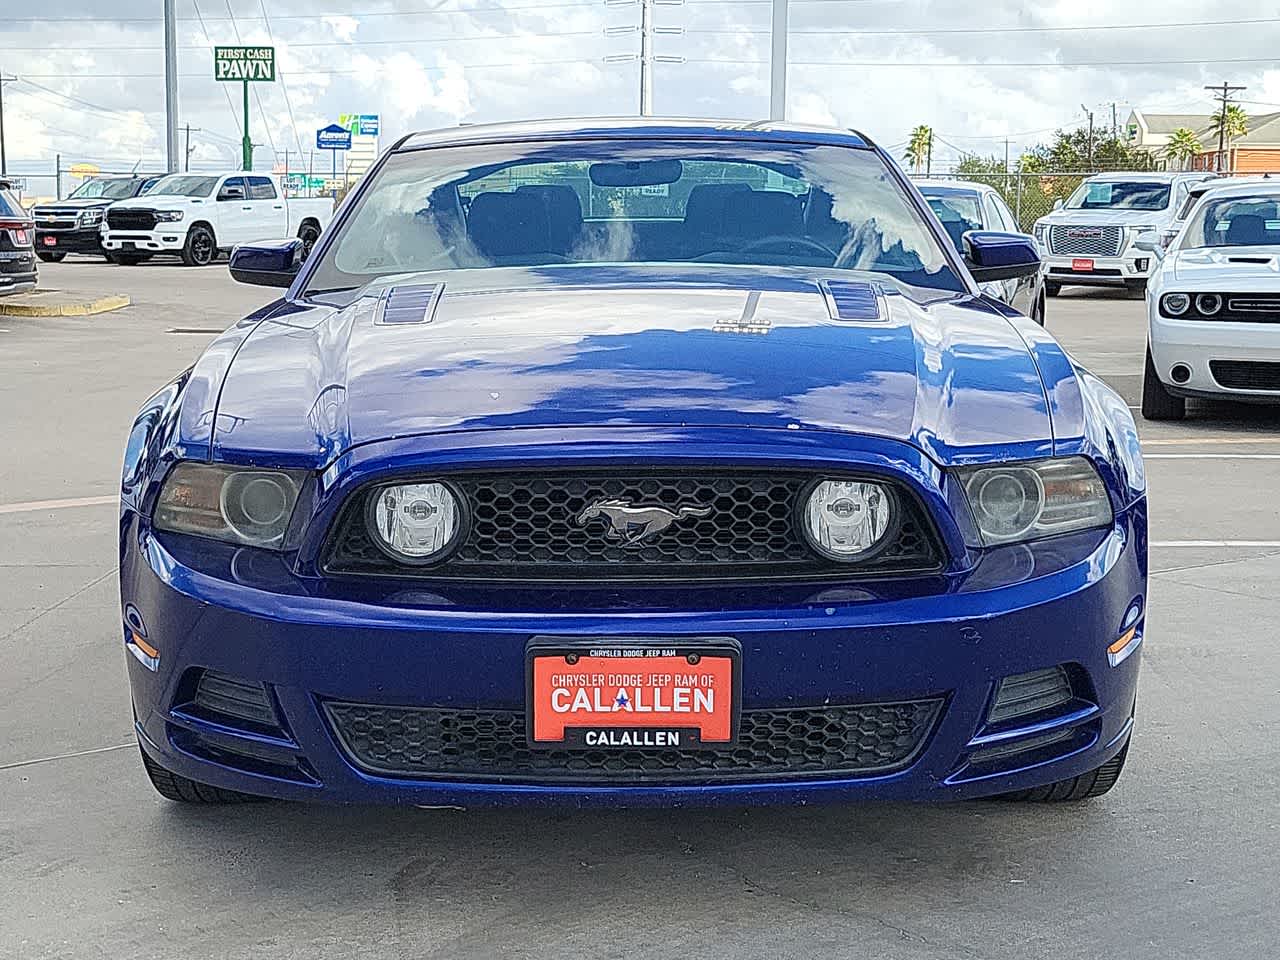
x: 534, y: 526
x: 55, y: 218
x: 128, y: 219
x: 1079, y: 240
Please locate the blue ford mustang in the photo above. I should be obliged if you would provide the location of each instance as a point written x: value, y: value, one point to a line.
x: 634, y: 462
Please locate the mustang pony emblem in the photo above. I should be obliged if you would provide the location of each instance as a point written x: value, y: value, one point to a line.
x: 630, y: 524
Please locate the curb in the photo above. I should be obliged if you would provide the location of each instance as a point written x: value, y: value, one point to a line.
x: 82, y: 308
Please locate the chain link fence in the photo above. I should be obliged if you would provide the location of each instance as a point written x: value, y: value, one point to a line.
x: 1029, y: 195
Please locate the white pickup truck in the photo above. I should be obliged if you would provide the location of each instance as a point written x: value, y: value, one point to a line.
x: 196, y: 215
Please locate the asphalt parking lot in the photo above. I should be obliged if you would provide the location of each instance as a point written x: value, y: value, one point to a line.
x: 1180, y: 860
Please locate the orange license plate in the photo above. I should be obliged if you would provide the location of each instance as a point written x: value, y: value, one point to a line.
x: 633, y: 694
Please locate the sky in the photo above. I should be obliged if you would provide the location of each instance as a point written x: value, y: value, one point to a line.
x: 90, y: 72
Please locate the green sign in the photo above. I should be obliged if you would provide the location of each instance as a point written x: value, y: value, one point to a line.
x: 244, y: 63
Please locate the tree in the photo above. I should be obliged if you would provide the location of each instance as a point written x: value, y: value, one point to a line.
x: 1228, y: 125
x: 920, y: 148
x: 1183, y: 146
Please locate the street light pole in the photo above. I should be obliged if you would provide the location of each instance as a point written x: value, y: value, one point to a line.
x: 646, y: 58
x: 778, y: 63
x: 4, y: 168
x: 171, y: 85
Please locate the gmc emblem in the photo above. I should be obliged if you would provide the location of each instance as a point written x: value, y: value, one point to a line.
x: 1084, y: 233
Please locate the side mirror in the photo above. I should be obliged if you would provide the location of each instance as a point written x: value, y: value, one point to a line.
x: 231, y: 193
x: 1000, y: 256
x: 1057, y: 204
x: 1149, y: 241
x: 274, y: 263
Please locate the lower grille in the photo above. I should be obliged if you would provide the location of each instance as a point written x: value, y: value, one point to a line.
x: 1082, y: 241
x: 131, y: 219
x: 1246, y: 374
x: 772, y: 744
x: 224, y: 697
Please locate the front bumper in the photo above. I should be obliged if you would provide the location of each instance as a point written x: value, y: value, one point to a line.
x: 1129, y: 268
x: 245, y: 614
x: 1194, y: 345
x: 137, y: 241
x: 76, y: 240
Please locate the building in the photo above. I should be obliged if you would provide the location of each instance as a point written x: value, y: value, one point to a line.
x: 1258, y: 151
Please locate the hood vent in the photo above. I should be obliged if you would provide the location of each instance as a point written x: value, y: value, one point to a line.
x: 851, y: 301
x: 1262, y: 260
x: 415, y: 303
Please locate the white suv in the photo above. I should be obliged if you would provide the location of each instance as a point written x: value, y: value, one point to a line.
x: 1089, y: 239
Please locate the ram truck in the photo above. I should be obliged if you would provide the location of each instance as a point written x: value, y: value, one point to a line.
x: 199, y: 215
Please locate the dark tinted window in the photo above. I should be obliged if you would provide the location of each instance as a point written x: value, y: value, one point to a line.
x: 1120, y: 195
x: 1235, y: 222
x: 10, y: 207
x: 233, y: 183
x: 261, y: 188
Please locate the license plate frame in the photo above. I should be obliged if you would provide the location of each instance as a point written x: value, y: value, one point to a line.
x: 1082, y: 265
x: 640, y: 727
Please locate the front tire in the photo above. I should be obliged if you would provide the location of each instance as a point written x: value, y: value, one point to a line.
x: 1052, y: 289
x: 180, y: 789
x: 200, y: 248
x: 1074, y: 789
x: 1136, y: 289
x: 1157, y: 402
x: 47, y: 257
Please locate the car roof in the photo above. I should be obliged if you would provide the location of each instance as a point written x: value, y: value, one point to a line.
x: 1259, y: 187
x: 951, y: 186
x: 637, y: 128
x: 1145, y: 175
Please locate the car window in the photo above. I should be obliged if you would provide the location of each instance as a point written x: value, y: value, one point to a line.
x: 233, y: 183
x: 1120, y: 195
x: 183, y: 185
x: 958, y: 211
x: 148, y: 184
x: 1234, y: 222
x: 261, y: 188
x: 642, y: 201
x: 103, y: 189
x: 9, y: 205
x: 1004, y: 213
x: 1193, y: 197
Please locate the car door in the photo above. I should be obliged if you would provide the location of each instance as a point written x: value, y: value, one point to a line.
x: 1019, y: 293
x: 235, y: 215
x: 269, y: 218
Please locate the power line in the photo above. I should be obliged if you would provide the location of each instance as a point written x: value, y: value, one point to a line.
x: 359, y: 15
x: 595, y: 61
x: 981, y: 63
x: 352, y: 43
x: 225, y: 92
x: 257, y: 96
x: 937, y: 31
x: 284, y: 86
x: 1223, y: 95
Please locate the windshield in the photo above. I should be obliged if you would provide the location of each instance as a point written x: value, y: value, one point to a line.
x: 959, y: 212
x: 643, y: 201
x: 104, y: 189
x: 9, y: 206
x: 183, y: 185
x: 1120, y: 195
x: 1235, y: 222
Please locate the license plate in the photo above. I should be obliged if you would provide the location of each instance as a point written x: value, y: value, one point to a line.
x: 633, y: 693
x: 50, y: 241
x: 1082, y: 265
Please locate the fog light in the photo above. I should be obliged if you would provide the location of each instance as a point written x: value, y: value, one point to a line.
x: 848, y: 519
x: 414, y: 522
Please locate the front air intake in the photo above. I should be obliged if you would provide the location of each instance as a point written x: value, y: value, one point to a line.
x: 222, y: 697
x: 1024, y: 694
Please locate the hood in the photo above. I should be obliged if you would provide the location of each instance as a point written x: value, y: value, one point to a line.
x: 160, y: 201
x: 1109, y: 217
x: 614, y: 346
x: 1231, y: 265
x: 88, y: 203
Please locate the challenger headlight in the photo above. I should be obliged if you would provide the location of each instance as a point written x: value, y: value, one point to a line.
x: 849, y: 519
x: 1042, y: 498
x: 414, y: 522
x: 90, y: 217
x: 169, y: 215
x: 235, y: 504
x: 1175, y: 304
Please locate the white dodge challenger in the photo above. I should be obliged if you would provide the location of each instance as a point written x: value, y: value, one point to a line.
x: 1213, y: 303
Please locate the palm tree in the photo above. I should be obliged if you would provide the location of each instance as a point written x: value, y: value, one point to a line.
x: 920, y: 147
x: 1229, y: 124
x: 1183, y: 146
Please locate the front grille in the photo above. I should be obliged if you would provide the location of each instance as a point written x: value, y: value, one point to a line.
x: 526, y: 527
x: 49, y: 218
x: 1251, y: 308
x: 1246, y: 374
x: 772, y: 744
x: 1069, y: 240
x: 128, y: 219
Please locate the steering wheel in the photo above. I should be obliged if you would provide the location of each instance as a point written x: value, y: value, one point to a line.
x: 782, y: 243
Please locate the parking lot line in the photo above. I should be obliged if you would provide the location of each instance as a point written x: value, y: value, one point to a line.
x: 34, y: 506
x: 1211, y: 456
x: 1210, y: 441
x: 1216, y: 543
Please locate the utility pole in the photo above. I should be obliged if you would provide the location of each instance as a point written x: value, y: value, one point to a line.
x: 1223, y: 94
x: 171, y: 86
x: 186, y: 153
x: 646, y: 58
x: 928, y: 157
x: 1115, y: 123
x: 1089, y: 148
x: 778, y: 63
x: 4, y: 168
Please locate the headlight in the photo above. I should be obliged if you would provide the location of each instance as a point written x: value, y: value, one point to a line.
x: 1208, y: 303
x: 1039, y: 230
x: 228, y: 503
x: 89, y: 217
x: 1043, y: 498
x: 849, y: 519
x: 414, y: 522
x: 1175, y: 304
x: 169, y: 215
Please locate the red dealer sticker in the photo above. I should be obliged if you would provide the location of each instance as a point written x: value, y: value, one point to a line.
x: 644, y: 696
x: 1081, y: 265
